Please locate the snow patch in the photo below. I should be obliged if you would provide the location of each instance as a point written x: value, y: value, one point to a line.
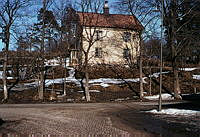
x: 164, y: 96
x: 114, y: 81
x: 196, y: 77
x: 71, y: 72
x: 57, y: 62
x: 175, y: 112
x: 52, y: 62
x: 188, y: 69
x: 103, y: 82
x: 122, y: 99
x: 94, y: 91
x: 156, y: 75
x: 104, y: 85
x: 1, y: 75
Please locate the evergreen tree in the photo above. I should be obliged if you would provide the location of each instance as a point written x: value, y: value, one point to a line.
x: 51, y: 28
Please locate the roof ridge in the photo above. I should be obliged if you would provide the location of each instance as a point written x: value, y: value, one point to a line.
x: 106, y: 15
x: 110, y: 21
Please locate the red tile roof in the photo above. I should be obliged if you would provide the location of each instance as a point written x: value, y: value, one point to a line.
x: 110, y: 21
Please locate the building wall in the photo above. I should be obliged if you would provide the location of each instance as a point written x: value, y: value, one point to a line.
x: 112, y: 45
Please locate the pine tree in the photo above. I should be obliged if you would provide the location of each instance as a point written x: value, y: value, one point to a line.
x: 43, y: 36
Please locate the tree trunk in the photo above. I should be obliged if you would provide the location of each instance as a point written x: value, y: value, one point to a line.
x: 41, y: 85
x: 53, y: 86
x: 5, y: 89
x: 65, y: 75
x: 140, y: 67
x: 41, y: 76
x: 141, y: 80
x: 177, y: 89
x: 150, y: 82
x: 87, y: 93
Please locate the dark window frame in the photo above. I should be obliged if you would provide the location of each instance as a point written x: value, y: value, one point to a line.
x: 99, y: 34
x: 98, y: 52
x: 126, y: 53
x: 126, y: 37
x: 73, y: 28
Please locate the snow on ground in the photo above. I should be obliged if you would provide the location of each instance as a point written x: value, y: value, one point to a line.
x: 56, y: 62
x: 71, y: 72
x: 1, y: 75
x: 188, y: 69
x: 172, y: 111
x: 156, y: 75
x: 94, y: 91
x: 103, y: 82
x: 196, y: 77
x: 164, y: 96
x: 52, y: 62
x: 104, y: 85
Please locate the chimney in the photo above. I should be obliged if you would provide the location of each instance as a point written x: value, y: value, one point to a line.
x: 106, y: 8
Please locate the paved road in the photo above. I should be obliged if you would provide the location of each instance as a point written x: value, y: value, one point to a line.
x: 91, y: 119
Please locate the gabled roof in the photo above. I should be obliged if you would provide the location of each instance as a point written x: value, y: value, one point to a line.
x: 110, y: 21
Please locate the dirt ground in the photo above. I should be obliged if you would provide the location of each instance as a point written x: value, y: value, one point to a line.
x: 90, y: 119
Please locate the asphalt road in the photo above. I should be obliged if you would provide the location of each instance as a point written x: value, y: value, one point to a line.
x: 90, y: 119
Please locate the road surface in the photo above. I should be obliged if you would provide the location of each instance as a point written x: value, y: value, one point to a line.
x: 89, y: 119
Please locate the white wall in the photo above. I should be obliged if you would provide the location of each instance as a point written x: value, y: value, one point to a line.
x: 112, y: 45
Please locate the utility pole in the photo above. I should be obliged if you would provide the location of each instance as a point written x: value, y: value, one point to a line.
x: 140, y: 69
x: 161, y: 56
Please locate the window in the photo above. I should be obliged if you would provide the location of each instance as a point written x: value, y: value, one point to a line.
x: 74, y: 57
x: 99, y: 35
x: 73, y: 29
x: 127, y: 36
x: 126, y: 53
x: 74, y: 54
x: 98, y: 52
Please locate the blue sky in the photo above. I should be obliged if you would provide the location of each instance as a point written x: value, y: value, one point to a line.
x: 32, y: 19
x: 13, y: 43
x: 1, y: 44
x: 22, y: 22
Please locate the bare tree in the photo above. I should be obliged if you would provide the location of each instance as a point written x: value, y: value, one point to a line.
x: 144, y: 10
x: 41, y: 37
x: 152, y: 52
x: 177, y: 17
x: 60, y: 9
x: 88, y: 22
x: 10, y: 11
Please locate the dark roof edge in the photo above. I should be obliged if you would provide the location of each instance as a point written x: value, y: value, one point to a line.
x: 136, y: 29
x: 140, y: 24
x: 104, y: 14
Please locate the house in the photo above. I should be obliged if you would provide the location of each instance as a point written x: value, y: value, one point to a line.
x: 110, y: 38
